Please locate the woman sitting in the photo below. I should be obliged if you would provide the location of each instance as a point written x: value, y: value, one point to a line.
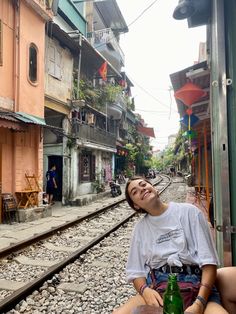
x: 172, y: 237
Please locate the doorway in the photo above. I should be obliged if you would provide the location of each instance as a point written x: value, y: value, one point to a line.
x: 57, y: 161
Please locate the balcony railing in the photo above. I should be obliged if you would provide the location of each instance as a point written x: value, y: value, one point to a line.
x: 105, y: 36
x: 92, y: 134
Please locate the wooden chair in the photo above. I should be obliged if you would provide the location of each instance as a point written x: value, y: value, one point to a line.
x: 29, y: 196
x: 9, y: 207
x: 32, y: 182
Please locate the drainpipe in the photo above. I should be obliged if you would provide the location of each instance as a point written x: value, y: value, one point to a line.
x: 16, y: 50
x: 78, y: 73
x: 16, y: 68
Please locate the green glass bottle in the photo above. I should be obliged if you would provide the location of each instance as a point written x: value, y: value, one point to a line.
x: 173, y: 302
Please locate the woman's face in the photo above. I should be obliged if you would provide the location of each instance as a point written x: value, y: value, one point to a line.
x: 142, y: 194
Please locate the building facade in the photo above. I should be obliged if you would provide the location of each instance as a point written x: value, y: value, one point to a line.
x: 22, y: 91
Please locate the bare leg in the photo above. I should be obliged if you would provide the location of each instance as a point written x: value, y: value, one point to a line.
x: 128, y: 307
x: 214, y: 308
x: 226, y: 284
x: 50, y: 198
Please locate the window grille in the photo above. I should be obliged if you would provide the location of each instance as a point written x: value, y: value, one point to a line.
x: 33, y: 56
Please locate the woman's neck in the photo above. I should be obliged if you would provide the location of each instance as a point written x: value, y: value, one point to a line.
x: 158, y: 209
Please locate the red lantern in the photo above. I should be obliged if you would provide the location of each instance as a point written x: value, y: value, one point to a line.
x: 189, y: 93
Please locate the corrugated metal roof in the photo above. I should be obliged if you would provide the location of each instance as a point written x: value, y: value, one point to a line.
x: 28, y: 118
x: 21, y: 117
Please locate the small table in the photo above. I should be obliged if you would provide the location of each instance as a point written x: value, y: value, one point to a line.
x: 27, y: 198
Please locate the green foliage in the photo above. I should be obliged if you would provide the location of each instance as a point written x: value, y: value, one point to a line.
x: 97, y: 184
x: 71, y: 142
x: 109, y: 93
x: 129, y: 103
x: 133, y: 151
x: 156, y: 163
x: 165, y: 160
x: 96, y: 97
x: 139, y: 152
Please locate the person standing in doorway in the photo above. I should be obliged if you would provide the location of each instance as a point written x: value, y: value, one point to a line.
x: 51, y: 184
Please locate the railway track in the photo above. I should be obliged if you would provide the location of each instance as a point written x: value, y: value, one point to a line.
x: 43, y: 257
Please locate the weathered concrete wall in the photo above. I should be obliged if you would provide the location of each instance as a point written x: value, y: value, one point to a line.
x: 59, y: 69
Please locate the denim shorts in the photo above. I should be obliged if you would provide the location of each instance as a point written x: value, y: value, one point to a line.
x: 193, y: 278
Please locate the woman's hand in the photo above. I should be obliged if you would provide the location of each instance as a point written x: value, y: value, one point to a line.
x: 152, y: 297
x: 195, y: 308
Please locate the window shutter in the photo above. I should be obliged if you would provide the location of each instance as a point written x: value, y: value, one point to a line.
x: 57, y: 64
x: 51, y: 61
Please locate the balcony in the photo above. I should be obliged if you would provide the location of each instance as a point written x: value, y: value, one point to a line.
x: 117, y: 108
x: 92, y: 134
x: 42, y: 7
x: 105, y: 42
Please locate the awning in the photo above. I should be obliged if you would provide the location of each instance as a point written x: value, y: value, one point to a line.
x: 29, y: 118
x: 11, y: 123
x: 146, y: 131
x: 13, y: 120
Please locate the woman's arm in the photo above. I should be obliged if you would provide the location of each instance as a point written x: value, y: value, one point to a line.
x: 208, y: 280
x: 151, y: 297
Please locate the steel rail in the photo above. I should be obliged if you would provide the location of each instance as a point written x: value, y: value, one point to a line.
x: 9, y: 302
x: 40, y: 236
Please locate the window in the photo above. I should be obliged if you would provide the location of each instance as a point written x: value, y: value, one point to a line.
x: 87, y: 167
x: 33, y: 55
x: 54, y: 63
x: 1, y: 42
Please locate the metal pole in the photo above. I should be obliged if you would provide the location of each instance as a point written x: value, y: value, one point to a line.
x: 220, y: 135
x: 78, y: 74
x: 106, y: 116
x: 206, y: 171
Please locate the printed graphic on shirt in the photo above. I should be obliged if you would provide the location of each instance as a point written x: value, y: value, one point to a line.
x: 173, y: 234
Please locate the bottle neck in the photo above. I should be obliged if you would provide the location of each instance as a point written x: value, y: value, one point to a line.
x: 172, y: 283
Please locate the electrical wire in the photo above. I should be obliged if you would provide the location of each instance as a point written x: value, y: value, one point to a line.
x: 140, y: 15
x: 154, y: 111
x: 135, y: 20
x: 156, y: 99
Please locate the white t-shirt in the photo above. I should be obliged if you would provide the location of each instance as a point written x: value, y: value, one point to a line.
x: 180, y: 235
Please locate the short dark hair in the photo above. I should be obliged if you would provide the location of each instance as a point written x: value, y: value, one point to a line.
x: 127, y: 196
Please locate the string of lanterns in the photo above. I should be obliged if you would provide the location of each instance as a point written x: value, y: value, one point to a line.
x: 189, y: 94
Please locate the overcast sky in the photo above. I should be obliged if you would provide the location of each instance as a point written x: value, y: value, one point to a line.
x: 156, y: 46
